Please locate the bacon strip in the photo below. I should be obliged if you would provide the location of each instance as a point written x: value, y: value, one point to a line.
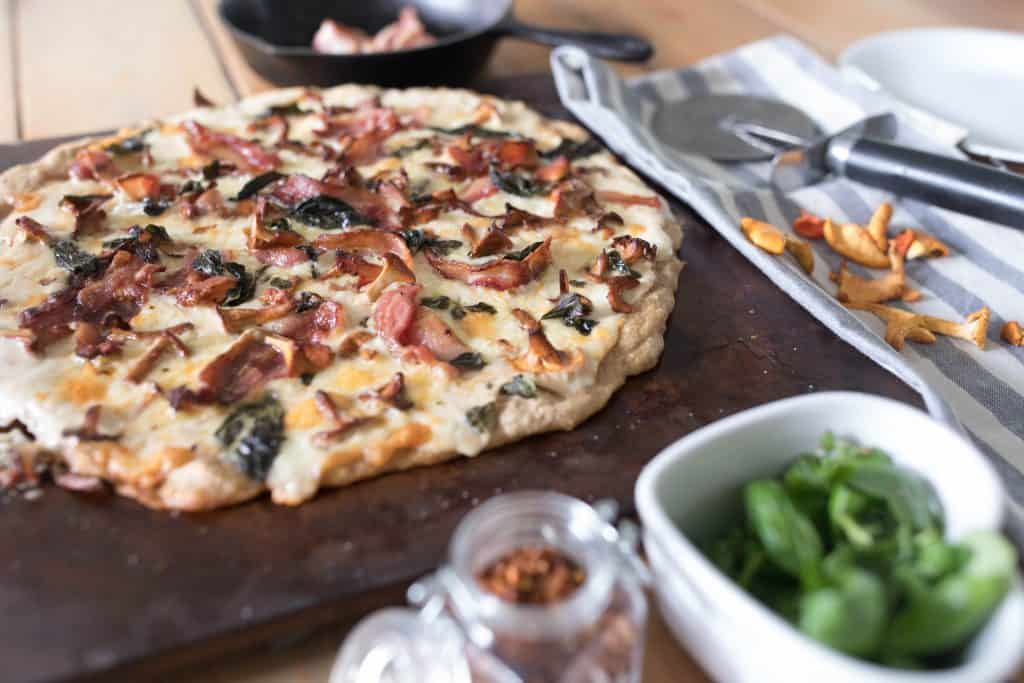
x: 139, y: 186
x: 628, y: 199
x: 401, y: 322
x: 374, y: 241
x: 247, y: 365
x: 493, y: 241
x: 86, y: 210
x: 502, y: 274
x: 298, y: 187
x: 237, y: 319
x: 93, y: 164
x: 145, y: 364
x: 247, y: 155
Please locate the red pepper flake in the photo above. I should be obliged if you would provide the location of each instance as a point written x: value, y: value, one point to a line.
x: 810, y: 226
x: 532, y: 575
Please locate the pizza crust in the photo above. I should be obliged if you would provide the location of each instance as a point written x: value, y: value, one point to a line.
x: 176, y: 479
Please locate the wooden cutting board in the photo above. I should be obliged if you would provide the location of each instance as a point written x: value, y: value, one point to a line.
x: 101, y: 586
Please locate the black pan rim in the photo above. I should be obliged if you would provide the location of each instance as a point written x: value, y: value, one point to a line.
x: 269, y: 48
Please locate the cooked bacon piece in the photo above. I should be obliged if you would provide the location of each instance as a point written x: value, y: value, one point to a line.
x: 91, y: 342
x: 298, y: 188
x: 553, y: 171
x: 145, y: 364
x: 309, y: 330
x: 198, y: 289
x: 139, y: 186
x: 368, y: 117
x: 627, y: 199
x: 407, y: 32
x: 493, y: 241
x: 573, y: 197
x: 506, y: 154
x: 237, y: 319
x: 430, y: 332
x: 33, y: 229
x: 616, y: 286
x: 516, y: 153
x: 247, y: 155
x: 393, y: 393
x: 374, y: 241
x: 633, y: 249
x: 394, y: 270
x: 334, y: 38
x: 353, y: 342
x: 471, y: 162
x: 50, y: 320
x: 541, y: 356
x: 497, y: 274
x: 283, y: 257
x: 395, y: 312
x: 350, y: 264
x: 197, y: 204
x: 93, y: 164
x: 275, y: 123
x: 518, y: 218
x: 479, y: 189
x: 247, y: 365
x: 444, y: 200
x: 90, y: 429
x: 86, y: 210
x: 341, y: 422
x: 119, y: 295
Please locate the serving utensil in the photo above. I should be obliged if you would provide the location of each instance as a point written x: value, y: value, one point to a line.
x: 740, y: 128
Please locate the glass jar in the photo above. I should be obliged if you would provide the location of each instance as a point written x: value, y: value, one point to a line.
x: 462, y: 633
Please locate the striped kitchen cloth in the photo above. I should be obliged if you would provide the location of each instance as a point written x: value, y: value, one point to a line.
x: 978, y: 391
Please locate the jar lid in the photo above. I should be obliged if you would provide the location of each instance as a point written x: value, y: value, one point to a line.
x: 396, y: 645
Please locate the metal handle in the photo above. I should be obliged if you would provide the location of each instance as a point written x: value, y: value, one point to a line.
x: 962, y: 186
x: 618, y: 46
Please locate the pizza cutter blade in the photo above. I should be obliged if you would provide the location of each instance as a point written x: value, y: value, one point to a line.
x: 703, y: 125
x: 746, y: 128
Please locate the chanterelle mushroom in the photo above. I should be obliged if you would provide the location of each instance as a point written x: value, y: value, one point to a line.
x: 541, y: 355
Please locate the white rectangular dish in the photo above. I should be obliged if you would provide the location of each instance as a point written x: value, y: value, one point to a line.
x: 692, y: 490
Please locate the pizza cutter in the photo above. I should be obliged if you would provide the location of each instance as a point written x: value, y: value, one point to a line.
x: 732, y: 128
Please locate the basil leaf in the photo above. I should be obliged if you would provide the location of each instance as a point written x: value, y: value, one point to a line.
x: 291, y: 109
x: 483, y: 417
x: 128, y: 145
x: 413, y: 239
x: 253, y: 433
x: 522, y: 253
x: 573, y: 150
x: 481, y: 307
x: 438, y: 302
x: 308, y: 301
x: 212, y: 170
x: 280, y: 283
x: 73, y: 259
x: 516, y: 184
x: 788, y: 536
x: 476, y: 131
x: 329, y: 213
x: 520, y: 385
x: 470, y: 360
x: 208, y: 262
x: 410, y: 148
x: 571, y: 309
x: 619, y: 266
x: 258, y: 183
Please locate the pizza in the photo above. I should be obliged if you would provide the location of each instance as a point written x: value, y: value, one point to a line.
x: 312, y: 287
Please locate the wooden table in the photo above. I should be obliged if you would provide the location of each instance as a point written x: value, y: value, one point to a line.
x: 135, y: 60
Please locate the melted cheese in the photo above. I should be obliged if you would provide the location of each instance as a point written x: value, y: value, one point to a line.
x: 51, y: 390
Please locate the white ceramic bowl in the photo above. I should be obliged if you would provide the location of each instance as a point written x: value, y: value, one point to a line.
x: 692, y: 490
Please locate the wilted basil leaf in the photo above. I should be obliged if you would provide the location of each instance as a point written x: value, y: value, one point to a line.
x: 71, y: 258
x: 290, y: 109
x: 572, y: 308
x: 254, y: 433
x: 475, y: 131
x: 409, y: 149
x: 523, y: 253
x: 483, y: 417
x: 308, y: 301
x: 128, y: 145
x: 280, y: 283
x: 573, y: 150
x: 470, y: 360
x: 258, y: 183
x: 208, y: 262
x: 148, y: 249
x: 516, y: 184
x: 190, y: 187
x: 439, y: 302
x: 154, y: 208
x: 459, y: 312
x: 329, y: 213
x: 619, y: 266
x: 212, y: 170
x: 416, y: 241
x: 520, y: 385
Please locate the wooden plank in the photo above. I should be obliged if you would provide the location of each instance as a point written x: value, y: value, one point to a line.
x: 246, y: 81
x: 94, y: 65
x: 8, y: 93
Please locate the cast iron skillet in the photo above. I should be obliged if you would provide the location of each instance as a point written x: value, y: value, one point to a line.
x: 274, y: 37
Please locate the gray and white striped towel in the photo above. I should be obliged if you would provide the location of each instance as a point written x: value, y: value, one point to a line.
x: 980, y: 391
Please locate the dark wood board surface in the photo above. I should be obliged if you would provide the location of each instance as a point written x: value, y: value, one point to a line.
x: 104, y: 588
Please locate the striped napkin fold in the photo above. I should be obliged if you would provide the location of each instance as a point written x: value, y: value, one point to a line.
x: 980, y: 392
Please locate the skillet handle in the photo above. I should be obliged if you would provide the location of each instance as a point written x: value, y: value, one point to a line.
x: 618, y: 46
